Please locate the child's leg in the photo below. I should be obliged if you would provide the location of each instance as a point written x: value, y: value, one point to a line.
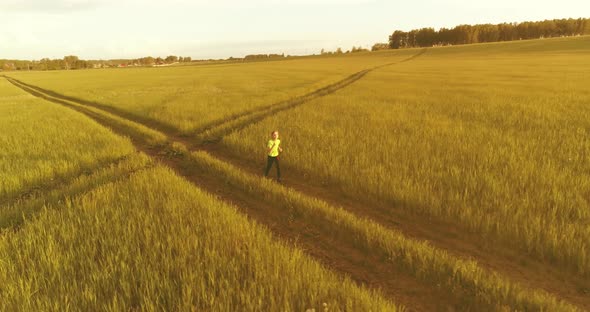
x: 269, y: 161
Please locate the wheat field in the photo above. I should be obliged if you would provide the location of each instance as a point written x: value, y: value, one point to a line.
x: 113, y: 201
x: 188, y: 98
x: 476, y: 135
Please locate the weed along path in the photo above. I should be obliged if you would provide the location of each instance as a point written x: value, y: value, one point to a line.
x: 379, y: 246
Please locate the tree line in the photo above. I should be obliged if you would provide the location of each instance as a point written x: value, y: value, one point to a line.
x: 74, y: 62
x: 423, y: 37
x: 256, y: 57
x: 339, y: 51
x: 465, y: 34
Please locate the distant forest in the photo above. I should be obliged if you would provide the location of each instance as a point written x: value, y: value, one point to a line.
x: 73, y: 62
x: 423, y: 37
x: 466, y: 34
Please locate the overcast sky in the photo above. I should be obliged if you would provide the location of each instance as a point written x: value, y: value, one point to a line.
x: 103, y: 29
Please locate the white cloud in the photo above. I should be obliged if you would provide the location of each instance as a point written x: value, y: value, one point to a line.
x: 67, y: 6
x: 222, y: 28
x: 242, y: 4
x: 259, y: 2
x: 51, y: 6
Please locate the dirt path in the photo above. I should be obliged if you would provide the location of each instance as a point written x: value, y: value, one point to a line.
x: 336, y: 253
x: 340, y: 255
x: 505, y: 260
x: 215, y: 130
x: 242, y: 120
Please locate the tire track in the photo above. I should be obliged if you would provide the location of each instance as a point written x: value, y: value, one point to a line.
x: 41, y: 92
x: 225, y: 127
x: 13, y: 215
x: 215, y: 130
x: 512, y: 263
x: 45, y: 186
